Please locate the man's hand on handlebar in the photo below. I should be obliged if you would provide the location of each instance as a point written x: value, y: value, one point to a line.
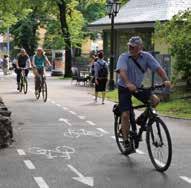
x: 167, y: 84
x: 131, y: 87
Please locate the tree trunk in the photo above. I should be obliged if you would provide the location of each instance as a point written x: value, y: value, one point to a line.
x: 64, y: 27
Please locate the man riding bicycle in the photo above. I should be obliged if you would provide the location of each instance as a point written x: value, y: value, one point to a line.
x: 131, y: 67
x: 22, y: 61
x: 38, y: 62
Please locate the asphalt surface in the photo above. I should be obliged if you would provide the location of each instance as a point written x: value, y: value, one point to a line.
x: 68, y: 142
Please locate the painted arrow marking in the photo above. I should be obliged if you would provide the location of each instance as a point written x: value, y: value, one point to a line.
x: 81, y: 178
x: 65, y: 121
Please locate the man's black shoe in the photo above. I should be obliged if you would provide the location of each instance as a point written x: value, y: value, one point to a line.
x: 128, y: 148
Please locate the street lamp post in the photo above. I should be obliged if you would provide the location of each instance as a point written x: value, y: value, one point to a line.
x: 112, y: 9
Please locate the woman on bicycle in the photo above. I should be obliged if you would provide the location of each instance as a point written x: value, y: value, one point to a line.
x: 22, y: 61
x: 38, y: 62
x: 131, y: 67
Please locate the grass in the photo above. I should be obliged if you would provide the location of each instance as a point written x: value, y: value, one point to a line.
x: 178, y: 106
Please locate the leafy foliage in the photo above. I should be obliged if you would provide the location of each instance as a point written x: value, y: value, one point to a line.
x: 12, y: 11
x: 177, y: 33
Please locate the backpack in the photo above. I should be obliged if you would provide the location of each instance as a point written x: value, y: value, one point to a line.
x: 92, y: 70
x: 102, y: 72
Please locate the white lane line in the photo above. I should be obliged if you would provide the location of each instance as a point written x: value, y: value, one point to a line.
x: 188, y: 180
x: 72, y: 112
x: 59, y: 105
x: 41, y: 183
x: 29, y: 164
x: 21, y: 152
x: 64, y: 108
x: 102, y: 130
x: 65, y: 121
x: 61, y: 119
x: 139, y: 152
x: 81, y: 117
x: 91, y: 123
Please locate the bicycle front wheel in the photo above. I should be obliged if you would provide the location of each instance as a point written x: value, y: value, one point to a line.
x: 37, y: 94
x: 25, y: 85
x: 21, y: 85
x: 44, y: 91
x: 159, y: 144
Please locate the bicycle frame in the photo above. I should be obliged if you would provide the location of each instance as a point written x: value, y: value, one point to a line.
x: 157, y: 134
x: 149, y: 114
x: 23, y: 73
x: 149, y: 111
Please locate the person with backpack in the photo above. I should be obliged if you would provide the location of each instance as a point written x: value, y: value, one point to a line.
x: 101, y: 74
x: 131, y: 67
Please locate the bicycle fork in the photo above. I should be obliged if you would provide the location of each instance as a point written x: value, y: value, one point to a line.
x: 134, y: 138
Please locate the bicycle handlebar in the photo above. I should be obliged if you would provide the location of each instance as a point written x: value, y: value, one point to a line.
x: 151, y: 88
x: 23, y: 68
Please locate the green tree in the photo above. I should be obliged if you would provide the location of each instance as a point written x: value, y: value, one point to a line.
x: 177, y: 33
x: 24, y: 33
x: 11, y: 11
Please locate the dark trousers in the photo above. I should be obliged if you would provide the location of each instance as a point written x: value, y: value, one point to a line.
x: 18, y: 72
x: 38, y: 78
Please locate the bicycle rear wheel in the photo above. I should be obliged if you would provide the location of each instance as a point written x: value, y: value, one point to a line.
x: 118, y: 134
x: 25, y: 85
x: 44, y: 91
x: 159, y: 144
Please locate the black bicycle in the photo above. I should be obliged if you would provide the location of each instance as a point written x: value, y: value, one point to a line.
x: 158, y: 139
x: 23, y: 84
x: 42, y: 87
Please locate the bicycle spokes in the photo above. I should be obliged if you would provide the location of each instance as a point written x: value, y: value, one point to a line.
x: 118, y: 134
x: 44, y: 91
x: 159, y: 144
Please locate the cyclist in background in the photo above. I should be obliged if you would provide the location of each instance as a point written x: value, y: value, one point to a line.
x: 131, y: 67
x: 22, y: 61
x: 38, y: 62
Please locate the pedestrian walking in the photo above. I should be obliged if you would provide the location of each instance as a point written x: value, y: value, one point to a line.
x: 101, y: 74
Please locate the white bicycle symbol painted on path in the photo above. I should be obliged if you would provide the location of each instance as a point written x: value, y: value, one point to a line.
x: 81, y: 132
x: 60, y: 151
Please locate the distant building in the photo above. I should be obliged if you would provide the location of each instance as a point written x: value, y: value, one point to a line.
x: 137, y: 17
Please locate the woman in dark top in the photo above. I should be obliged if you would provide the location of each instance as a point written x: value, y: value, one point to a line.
x: 23, y: 61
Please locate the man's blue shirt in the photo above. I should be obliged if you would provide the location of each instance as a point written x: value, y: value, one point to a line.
x: 134, y: 74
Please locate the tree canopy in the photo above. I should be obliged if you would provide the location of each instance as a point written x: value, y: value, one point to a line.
x: 65, y: 22
x: 177, y: 33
